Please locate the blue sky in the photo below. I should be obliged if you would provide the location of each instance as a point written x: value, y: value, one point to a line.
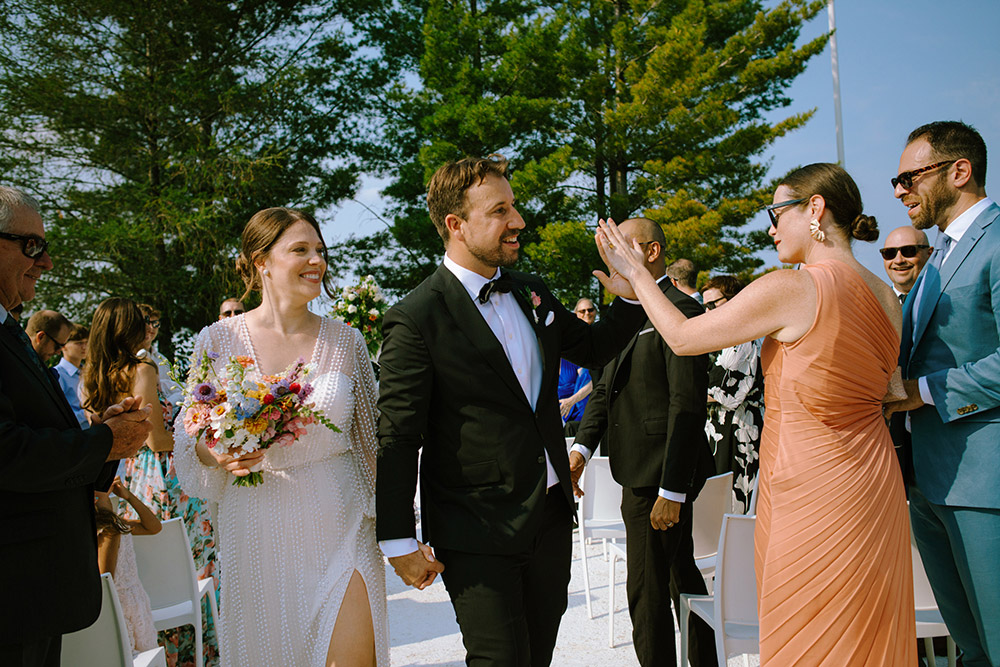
x: 902, y: 63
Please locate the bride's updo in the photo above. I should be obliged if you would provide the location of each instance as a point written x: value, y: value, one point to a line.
x: 841, y: 194
x: 259, y: 236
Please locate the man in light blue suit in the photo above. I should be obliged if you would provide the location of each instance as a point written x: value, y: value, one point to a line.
x: 950, y: 355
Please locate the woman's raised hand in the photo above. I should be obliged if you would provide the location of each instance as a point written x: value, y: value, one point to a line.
x: 620, y: 256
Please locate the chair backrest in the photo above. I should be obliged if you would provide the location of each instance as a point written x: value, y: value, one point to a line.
x: 166, y: 566
x: 713, y: 502
x: 752, y: 507
x: 735, y: 580
x: 106, y: 642
x: 602, y: 495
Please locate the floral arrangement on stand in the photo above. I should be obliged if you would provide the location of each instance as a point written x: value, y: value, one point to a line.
x: 362, y: 306
x: 227, y: 409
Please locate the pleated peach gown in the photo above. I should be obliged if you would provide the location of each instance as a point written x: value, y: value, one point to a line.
x: 832, y: 544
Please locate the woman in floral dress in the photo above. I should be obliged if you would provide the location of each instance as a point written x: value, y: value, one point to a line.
x: 113, y: 371
x: 735, y: 402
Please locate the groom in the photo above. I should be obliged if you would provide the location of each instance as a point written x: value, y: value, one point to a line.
x: 470, y: 365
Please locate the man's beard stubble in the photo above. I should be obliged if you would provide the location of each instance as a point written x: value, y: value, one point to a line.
x: 935, y: 204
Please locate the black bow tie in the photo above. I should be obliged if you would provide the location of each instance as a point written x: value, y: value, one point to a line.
x: 501, y: 285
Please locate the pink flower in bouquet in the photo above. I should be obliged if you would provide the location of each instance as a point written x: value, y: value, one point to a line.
x: 195, y: 418
x: 285, y: 439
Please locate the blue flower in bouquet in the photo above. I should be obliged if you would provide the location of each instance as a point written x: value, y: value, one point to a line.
x: 280, y: 388
x: 245, y: 407
x: 204, y: 393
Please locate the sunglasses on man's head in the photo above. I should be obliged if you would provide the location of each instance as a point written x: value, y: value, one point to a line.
x: 906, y: 178
x: 908, y: 251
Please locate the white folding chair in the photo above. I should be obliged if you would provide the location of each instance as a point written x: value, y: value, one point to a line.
x: 166, y: 569
x: 713, y: 502
x: 732, y: 610
x: 616, y: 551
x: 106, y: 642
x: 930, y: 624
x: 600, y: 513
x: 752, y: 507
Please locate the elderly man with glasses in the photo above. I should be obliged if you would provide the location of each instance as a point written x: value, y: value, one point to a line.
x: 49, y: 466
x: 905, y: 252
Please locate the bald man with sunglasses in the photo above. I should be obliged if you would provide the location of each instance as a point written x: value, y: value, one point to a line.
x: 905, y: 252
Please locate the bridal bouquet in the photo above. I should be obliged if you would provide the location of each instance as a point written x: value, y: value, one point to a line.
x: 363, y: 306
x: 241, y: 415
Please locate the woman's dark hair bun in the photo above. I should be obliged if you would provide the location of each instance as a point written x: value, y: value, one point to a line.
x: 864, y: 228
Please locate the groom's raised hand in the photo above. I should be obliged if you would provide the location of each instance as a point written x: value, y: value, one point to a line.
x: 417, y: 569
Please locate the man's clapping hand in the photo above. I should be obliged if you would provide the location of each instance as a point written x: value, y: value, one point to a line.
x: 129, y: 424
x: 417, y: 569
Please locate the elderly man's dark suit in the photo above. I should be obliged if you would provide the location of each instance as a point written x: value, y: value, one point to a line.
x: 48, y: 538
x: 650, y: 410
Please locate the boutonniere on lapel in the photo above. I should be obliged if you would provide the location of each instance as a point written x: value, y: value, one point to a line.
x: 532, y: 298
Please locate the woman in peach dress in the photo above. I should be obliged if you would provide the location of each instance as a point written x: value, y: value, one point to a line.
x: 832, y: 544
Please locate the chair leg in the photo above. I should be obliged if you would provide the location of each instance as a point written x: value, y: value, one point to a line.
x: 213, y: 605
x: 199, y: 652
x: 586, y: 572
x: 611, y: 599
x: 952, y: 651
x: 685, y: 614
x: 929, y: 650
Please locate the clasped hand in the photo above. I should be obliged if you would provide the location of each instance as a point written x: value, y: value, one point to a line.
x: 419, y: 568
x: 240, y: 466
x: 129, y: 424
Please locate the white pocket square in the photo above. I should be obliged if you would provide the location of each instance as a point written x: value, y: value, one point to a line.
x: 646, y: 331
x: 550, y: 318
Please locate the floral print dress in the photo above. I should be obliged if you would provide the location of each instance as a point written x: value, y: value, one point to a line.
x: 151, y: 477
x: 736, y: 417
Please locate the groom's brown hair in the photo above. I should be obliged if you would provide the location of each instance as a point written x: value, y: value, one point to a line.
x: 446, y: 191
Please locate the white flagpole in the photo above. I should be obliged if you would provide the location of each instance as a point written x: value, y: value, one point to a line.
x: 836, y: 86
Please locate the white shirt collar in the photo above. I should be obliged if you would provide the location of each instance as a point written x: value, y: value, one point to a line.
x: 3, y: 314
x: 956, y: 230
x: 471, y: 281
x: 896, y: 290
x: 67, y: 366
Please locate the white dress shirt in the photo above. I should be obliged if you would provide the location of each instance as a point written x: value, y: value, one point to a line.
x: 586, y: 452
x: 514, y: 333
x: 955, y: 231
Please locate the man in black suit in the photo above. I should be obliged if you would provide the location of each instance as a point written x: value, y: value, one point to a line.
x: 470, y: 365
x: 650, y: 410
x: 48, y: 468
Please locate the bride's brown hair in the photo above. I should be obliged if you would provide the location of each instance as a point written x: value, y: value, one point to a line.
x: 116, y: 334
x: 259, y: 236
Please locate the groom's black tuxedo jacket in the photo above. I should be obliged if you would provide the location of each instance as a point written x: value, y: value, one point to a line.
x: 48, y: 540
x: 651, y: 404
x: 447, y: 388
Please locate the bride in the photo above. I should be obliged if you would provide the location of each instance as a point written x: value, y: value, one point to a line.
x: 303, y: 581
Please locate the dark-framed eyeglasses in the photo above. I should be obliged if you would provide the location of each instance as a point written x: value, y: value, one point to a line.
x: 31, y: 246
x: 233, y: 312
x: 586, y: 311
x: 908, y: 251
x: 771, y: 208
x: 714, y: 303
x: 906, y: 178
x: 151, y: 322
x: 59, y: 345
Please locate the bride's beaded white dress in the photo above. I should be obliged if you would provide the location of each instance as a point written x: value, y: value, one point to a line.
x: 288, y: 547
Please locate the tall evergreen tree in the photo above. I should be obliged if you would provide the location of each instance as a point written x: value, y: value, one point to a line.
x: 153, y: 130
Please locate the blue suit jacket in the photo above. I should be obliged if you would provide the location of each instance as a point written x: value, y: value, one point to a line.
x: 955, y: 344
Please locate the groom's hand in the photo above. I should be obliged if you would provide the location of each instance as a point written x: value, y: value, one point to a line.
x: 417, y: 569
x: 665, y: 514
x: 576, y: 465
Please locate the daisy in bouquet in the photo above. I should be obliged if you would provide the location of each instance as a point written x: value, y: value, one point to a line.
x: 226, y: 409
x: 363, y: 306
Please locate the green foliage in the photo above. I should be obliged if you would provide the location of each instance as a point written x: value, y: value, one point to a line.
x: 606, y: 108
x: 152, y: 131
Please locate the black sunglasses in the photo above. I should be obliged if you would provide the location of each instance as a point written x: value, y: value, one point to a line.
x: 714, y: 303
x: 31, y: 246
x: 907, y: 251
x: 585, y: 310
x: 230, y: 313
x: 770, y: 208
x: 59, y: 345
x: 906, y: 178
x: 153, y: 323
